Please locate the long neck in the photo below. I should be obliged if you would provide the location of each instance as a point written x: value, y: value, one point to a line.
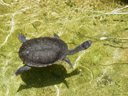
x: 75, y: 50
x: 81, y: 47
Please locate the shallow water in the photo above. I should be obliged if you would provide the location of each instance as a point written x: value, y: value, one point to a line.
x: 100, y: 70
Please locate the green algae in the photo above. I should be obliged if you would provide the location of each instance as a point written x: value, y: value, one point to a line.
x: 101, y: 70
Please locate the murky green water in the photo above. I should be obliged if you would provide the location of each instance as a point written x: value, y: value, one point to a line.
x: 101, y: 70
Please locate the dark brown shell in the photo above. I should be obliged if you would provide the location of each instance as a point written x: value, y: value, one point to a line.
x: 43, y: 51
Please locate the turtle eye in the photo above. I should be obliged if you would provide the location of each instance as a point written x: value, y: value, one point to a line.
x: 87, y: 44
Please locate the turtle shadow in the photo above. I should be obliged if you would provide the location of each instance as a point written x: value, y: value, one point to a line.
x: 125, y: 1
x: 42, y: 77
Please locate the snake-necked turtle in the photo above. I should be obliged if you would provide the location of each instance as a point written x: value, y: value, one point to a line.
x: 45, y: 51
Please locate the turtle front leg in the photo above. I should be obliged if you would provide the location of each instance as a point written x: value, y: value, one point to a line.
x: 68, y: 61
x: 81, y: 47
x: 22, y: 69
x: 22, y: 38
x: 56, y: 36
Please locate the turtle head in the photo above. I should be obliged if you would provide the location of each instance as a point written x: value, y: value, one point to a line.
x: 81, y: 47
x: 86, y: 44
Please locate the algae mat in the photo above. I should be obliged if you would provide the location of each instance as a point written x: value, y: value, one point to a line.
x: 101, y: 70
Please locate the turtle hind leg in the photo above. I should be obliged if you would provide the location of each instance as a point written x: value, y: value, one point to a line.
x: 68, y: 61
x: 22, y: 38
x: 22, y: 69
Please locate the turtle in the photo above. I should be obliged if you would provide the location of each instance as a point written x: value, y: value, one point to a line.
x: 45, y: 51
